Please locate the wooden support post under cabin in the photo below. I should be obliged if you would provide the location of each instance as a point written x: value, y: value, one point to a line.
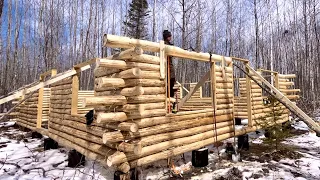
x: 249, y: 102
x: 75, y: 91
x: 199, y: 84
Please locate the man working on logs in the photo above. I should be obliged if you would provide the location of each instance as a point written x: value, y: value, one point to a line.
x: 171, y: 77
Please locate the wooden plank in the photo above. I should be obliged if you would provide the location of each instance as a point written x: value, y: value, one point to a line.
x: 75, y: 92
x: 286, y: 102
x: 290, y: 90
x: 163, y: 59
x: 233, y: 111
x: 287, y: 76
x: 199, y: 84
x: 276, y: 80
x: 51, y: 72
x: 40, y: 104
x: 249, y: 102
x: 213, y: 86
x: 55, y: 79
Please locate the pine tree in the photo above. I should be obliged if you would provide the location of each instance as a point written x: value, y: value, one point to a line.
x: 275, y: 129
x: 137, y: 15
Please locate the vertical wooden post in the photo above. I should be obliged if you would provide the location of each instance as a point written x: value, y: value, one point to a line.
x: 276, y: 80
x: 75, y: 91
x: 164, y: 71
x: 249, y: 102
x: 162, y: 60
x: 23, y: 96
x: 53, y: 72
x: 233, y: 116
x: 200, y: 89
x: 213, y: 85
x: 40, y: 103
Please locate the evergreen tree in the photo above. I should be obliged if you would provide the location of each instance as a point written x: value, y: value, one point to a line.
x: 136, y: 19
x: 270, y: 122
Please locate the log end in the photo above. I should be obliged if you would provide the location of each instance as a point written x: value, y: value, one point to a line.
x: 134, y: 127
x: 83, y: 103
x: 105, y: 138
x: 99, y: 118
x: 109, y: 162
x: 137, y: 149
x: 138, y: 50
x: 124, y: 167
x: 136, y: 72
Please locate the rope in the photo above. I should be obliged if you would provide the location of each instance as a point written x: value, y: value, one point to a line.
x: 213, y: 104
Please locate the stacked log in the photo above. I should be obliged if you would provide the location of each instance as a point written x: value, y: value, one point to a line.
x: 261, y: 109
x: 156, y: 136
x: 224, y: 89
x: 46, y: 106
x: 242, y: 105
x: 130, y: 103
x: 13, y: 116
x: 224, y: 92
x: 81, y: 96
x: 286, y: 86
x: 27, y: 111
x: 72, y: 130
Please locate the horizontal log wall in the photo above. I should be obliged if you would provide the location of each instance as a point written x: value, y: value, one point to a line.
x: 81, y: 96
x: 259, y: 110
x: 224, y: 92
x: 72, y: 130
x: 46, y: 105
x: 286, y: 86
x: 27, y: 111
x: 156, y: 131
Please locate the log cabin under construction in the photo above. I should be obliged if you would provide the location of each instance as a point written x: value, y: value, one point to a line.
x: 133, y: 125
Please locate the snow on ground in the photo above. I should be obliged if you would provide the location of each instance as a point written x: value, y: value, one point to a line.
x: 24, y: 159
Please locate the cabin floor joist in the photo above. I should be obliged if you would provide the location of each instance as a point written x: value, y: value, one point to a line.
x: 132, y: 125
